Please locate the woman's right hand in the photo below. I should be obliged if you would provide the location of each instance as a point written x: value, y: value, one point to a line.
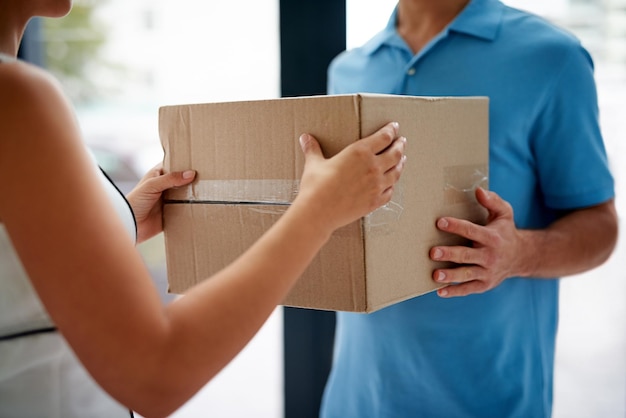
x: 356, y: 181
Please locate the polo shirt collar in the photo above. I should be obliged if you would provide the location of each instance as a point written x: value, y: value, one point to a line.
x: 480, y: 18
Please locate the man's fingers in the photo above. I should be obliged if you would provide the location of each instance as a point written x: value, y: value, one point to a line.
x: 460, y: 274
x: 463, y: 289
x: 464, y: 228
x: 491, y: 201
x: 458, y: 255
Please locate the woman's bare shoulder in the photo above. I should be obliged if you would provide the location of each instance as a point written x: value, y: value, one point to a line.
x: 19, y: 74
x: 40, y: 134
x: 38, y: 123
x: 27, y: 88
x: 30, y: 98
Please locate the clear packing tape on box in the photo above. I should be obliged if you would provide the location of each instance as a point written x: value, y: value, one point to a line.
x: 460, y: 185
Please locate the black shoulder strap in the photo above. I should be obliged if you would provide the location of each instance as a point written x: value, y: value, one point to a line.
x: 27, y: 333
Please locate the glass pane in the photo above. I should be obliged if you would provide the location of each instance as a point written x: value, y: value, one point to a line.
x: 364, y: 18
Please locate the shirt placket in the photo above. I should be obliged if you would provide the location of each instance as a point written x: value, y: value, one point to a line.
x: 410, y: 80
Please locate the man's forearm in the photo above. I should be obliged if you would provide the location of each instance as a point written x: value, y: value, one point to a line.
x: 577, y: 242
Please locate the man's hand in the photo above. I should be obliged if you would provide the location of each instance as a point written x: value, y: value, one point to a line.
x: 578, y: 241
x: 493, y: 257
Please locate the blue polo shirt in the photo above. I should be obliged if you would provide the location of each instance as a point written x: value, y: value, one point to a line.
x: 487, y: 355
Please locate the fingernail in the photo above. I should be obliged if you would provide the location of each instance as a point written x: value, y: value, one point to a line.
x: 396, y: 125
x: 442, y: 292
x: 302, y: 139
x: 441, y: 276
x: 442, y: 223
x: 188, y: 174
x: 437, y: 254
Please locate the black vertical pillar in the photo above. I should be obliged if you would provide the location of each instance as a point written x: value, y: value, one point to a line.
x: 312, y: 33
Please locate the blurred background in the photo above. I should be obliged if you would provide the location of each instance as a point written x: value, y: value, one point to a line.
x: 119, y: 61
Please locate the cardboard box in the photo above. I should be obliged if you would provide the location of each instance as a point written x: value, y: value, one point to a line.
x: 248, y: 164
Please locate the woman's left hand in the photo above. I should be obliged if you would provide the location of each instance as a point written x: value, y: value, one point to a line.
x: 145, y: 199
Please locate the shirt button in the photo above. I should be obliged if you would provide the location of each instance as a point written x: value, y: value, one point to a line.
x: 411, y: 71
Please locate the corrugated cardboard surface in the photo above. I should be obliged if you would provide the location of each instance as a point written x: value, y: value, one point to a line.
x: 248, y: 161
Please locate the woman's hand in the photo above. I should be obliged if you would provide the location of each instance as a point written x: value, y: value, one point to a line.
x: 145, y: 199
x: 354, y: 182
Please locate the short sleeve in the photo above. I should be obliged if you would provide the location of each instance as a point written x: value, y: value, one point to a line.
x: 572, y: 164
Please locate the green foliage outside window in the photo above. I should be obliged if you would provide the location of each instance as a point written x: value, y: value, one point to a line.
x: 72, y: 47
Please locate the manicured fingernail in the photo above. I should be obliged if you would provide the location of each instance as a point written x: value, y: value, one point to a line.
x: 441, y: 276
x: 188, y: 174
x: 442, y: 223
x: 437, y: 254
